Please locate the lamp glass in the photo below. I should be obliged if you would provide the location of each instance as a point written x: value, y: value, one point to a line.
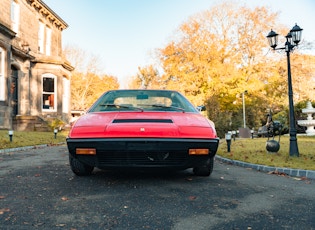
x: 296, y: 33
x: 273, y: 39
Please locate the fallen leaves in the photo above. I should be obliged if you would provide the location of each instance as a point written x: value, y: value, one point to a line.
x: 3, y: 210
x: 278, y: 173
x: 304, y: 178
x: 307, y: 181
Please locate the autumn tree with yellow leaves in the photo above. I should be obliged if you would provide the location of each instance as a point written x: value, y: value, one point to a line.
x: 147, y: 78
x: 220, y: 53
x: 87, y: 81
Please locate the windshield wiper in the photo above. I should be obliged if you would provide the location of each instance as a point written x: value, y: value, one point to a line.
x: 122, y: 106
x: 168, y: 107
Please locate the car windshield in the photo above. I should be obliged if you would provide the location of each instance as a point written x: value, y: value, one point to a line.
x: 142, y: 100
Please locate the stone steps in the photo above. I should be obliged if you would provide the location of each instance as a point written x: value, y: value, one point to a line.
x: 30, y: 123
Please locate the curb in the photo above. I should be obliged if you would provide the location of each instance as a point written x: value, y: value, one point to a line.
x: 28, y: 147
x: 310, y: 174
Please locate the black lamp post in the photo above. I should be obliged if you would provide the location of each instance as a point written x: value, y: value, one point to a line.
x: 244, y: 116
x: 292, y: 40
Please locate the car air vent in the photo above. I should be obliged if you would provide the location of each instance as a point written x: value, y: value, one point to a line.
x: 142, y: 121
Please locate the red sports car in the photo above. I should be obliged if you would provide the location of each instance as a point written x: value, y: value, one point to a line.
x: 142, y: 129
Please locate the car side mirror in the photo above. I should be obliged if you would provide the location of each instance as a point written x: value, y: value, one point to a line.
x: 201, y: 108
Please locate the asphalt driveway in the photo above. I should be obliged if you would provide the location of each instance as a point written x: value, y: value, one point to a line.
x: 39, y: 191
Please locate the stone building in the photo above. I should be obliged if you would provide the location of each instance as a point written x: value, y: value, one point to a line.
x: 34, y: 75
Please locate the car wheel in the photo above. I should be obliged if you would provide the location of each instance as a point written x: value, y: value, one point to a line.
x: 80, y: 168
x: 205, y: 170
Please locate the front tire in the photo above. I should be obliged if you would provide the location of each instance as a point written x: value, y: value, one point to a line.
x: 206, y: 169
x: 79, y: 168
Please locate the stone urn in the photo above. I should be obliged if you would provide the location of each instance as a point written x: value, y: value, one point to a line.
x: 309, y: 123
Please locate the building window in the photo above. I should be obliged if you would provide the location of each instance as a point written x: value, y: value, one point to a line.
x: 15, y: 16
x: 41, y: 37
x: 66, y: 95
x: 2, y: 81
x: 49, y: 92
x: 48, y: 40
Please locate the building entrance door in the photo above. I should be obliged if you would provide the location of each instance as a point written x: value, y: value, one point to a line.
x: 14, y: 91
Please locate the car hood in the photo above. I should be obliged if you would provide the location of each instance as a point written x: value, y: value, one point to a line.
x: 143, y: 124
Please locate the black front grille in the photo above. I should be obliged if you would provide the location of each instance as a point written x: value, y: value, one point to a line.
x: 134, y: 159
x: 143, y: 152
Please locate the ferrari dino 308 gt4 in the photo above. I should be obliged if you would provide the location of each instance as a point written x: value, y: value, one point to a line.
x: 143, y: 129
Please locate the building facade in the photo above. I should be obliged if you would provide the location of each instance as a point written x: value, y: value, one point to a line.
x: 34, y: 75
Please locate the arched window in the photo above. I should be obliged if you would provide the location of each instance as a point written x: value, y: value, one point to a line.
x: 49, y: 98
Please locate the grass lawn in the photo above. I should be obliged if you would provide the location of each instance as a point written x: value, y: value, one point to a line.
x: 254, y: 151
x: 247, y: 150
x: 20, y: 139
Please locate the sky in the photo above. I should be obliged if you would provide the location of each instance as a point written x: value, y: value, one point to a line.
x: 125, y: 33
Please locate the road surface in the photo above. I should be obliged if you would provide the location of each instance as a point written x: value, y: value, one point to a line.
x: 39, y: 191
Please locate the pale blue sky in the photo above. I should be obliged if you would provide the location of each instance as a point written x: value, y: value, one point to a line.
x: 123, y: 33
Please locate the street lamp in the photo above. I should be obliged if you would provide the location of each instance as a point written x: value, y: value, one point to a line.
x: 243, y: 98
x: 292, y: 40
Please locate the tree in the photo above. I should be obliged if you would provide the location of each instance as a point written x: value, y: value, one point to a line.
x: 87, y: 83
x: 303, y: 75
x: 218, y: 54
x: 87, y: 87
x: 147, y: 77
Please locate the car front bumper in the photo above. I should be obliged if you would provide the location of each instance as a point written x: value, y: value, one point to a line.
x: 143, y: 152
